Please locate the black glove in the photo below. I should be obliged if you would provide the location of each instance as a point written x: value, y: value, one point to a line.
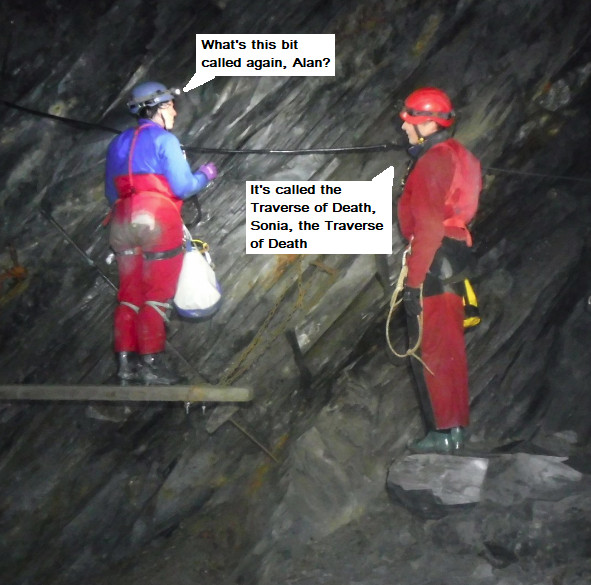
x: 412, y: 300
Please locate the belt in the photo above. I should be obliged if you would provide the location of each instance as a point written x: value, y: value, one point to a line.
x: 152, y: 255
x: 164, y: 255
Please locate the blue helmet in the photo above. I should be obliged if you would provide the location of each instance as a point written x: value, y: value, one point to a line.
x: 150, y: 93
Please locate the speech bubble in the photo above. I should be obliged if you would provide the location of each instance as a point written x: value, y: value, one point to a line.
x: 320, y: 217
x: 262, y: 56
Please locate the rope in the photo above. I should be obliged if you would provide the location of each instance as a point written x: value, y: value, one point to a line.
x: 300, y: 151
x: 395, y: 302
x: 69, y: 121
x: 540, y: 175
x: 336, y: 150
x: 91, y: 125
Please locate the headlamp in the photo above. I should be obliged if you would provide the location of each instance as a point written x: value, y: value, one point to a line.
x: 152, y: 99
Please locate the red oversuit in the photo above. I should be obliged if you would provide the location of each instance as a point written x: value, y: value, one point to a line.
x: 439, y: 198
x: 147, y: 178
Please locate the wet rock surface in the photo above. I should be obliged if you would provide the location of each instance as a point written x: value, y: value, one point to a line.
x: 150, y: 494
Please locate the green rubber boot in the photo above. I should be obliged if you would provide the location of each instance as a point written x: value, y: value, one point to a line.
x: 445, y: 442
x: 457, y: 438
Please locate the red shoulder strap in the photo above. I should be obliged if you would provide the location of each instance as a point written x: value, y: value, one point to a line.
x: 130, y: 157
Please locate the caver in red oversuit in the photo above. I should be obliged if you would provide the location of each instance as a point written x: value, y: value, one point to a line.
x: 440, y: 197
x: 147, y: 179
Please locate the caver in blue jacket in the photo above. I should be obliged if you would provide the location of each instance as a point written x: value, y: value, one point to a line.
x: 158, y: 164
x: 147, y: 178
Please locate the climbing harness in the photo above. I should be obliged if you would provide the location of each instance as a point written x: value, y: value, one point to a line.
x: 111, y: 284
x: 131, y: 306
x: 469, y: 301
x: 164, y: 255
x: 161, y: 308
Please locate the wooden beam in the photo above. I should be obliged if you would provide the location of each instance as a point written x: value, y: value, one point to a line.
x: 200, y: 393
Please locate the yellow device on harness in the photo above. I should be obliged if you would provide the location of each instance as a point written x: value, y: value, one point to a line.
x: 470, y: 302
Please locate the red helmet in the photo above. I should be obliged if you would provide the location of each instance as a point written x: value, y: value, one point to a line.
x: 428, y: 103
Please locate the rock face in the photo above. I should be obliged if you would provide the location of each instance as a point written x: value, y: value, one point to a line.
x: 521, y: 506
x: 151, y: 494
x: 432, y: 484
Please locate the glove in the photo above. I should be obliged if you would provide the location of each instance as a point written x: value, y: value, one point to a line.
x: 209, y: 170
x: 412, y: 300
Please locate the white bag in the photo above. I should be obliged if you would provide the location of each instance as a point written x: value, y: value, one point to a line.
x: 198, y: 293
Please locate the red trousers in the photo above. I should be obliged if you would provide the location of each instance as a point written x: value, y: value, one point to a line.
x: 142, y: 226
x: 444, y: 392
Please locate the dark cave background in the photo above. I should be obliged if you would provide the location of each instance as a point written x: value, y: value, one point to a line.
x: 144, y: 492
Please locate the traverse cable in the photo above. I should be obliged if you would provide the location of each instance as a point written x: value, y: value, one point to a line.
x: 81, y: 124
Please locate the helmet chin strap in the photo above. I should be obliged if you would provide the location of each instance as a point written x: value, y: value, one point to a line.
x: 162, y: 117
x: 420, y: 137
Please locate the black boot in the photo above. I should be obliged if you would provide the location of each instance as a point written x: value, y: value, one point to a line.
x: 154, y: 371
x: 127, y: 370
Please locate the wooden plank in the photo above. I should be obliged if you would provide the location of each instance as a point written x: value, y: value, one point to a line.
x: 200, y: 393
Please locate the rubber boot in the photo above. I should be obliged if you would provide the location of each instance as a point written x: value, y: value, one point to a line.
x: 445, y: 442
x: 155, y: 371
x: 127, y: 370
x: 457, y: 438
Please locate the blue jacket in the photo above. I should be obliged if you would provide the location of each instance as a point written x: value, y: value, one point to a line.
x: 158, y: 164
